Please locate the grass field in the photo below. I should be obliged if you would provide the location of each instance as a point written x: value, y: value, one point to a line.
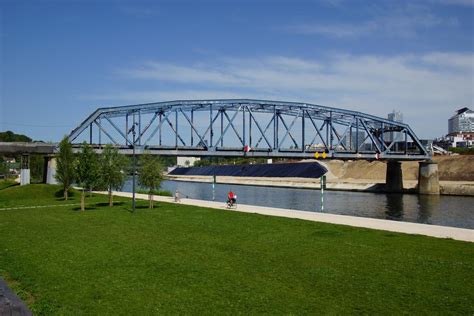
x: 185, y: 259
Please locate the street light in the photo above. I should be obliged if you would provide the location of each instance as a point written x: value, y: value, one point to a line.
x: 132, y: 130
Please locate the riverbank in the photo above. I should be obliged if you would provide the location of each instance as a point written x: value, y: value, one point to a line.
x: 437, y: 231
x: 187, y: 259
x: 463, y: 188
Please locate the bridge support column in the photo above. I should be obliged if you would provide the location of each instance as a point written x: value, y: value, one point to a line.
x: 428, y: 178
x: 49, y: 173
x: 394, y: 177
x: 25, y: 169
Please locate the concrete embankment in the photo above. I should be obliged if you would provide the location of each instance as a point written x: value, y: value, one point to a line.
x: 456, y: 174
x: 465, y: 188
x: 372, y: 223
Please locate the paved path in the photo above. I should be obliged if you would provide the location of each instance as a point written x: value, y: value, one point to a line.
x: 10, y: 304
x: 35, y: 206
x: 373, y: 223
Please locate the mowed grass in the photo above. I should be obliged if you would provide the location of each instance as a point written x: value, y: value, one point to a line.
x: 191, y: 260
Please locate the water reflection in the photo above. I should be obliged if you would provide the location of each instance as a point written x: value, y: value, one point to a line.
x: 394, y: 206
x: 427, y: 205
x: 440, y: 210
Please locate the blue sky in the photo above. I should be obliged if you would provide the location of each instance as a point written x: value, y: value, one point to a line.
x: 60, y: 60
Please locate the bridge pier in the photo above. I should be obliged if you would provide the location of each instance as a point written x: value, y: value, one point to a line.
x: 25, y: 169
x: 49, y: 173
x: 394, y: 177
x: 428, y: 177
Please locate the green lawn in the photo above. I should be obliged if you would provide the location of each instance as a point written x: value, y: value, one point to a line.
x: 185, y: 259
x: 5, y: 183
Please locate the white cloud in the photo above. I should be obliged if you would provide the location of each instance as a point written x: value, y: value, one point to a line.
x: 458, y: 2
x: 427, y: 88
x: 399, y: 22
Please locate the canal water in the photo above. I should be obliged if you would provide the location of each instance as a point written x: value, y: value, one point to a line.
x: 457, y: 211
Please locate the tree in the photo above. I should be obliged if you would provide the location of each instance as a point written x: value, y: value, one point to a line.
x: 86, y: 170
x: 3, y: 168
x: 111, y: 170
x: 151, y: 174
x: 65, y: 165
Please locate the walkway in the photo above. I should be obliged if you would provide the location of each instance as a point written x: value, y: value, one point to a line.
x: 372, y: 223
x: 10, y: 304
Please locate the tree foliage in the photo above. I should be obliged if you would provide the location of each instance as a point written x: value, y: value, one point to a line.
x: 87, y: 170
x: 65, y: 165
x: 151, y: 174
x: 3, y: 168
x: 112, y: 176
x: 9, y: 136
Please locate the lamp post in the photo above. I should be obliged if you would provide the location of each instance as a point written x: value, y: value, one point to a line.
x: 134, y: 164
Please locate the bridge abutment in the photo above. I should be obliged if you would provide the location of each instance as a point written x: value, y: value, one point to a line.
x: 394, y: 177
x: 25, y: 169
x: 49, y: 173
x: 428, y: 177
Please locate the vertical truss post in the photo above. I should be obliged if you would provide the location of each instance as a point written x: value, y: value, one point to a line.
x: 222, y: 126
x: 302, y: 132
x: 250, y: 128
x: 139, y: 126
x: 328, y: 145
x: 357, y: 135
x: 176, y: 126
x: 331, y: 131
x: 192, y: 123
x: 126, y: 129
x: 275, y: 128
x: 100, y: 134
x: 406, y: 141
x: 350, y: 139
x: 243, y: 125
x: 382, y: 134
x: 90, y: 134
x: 210, y: 125
x: 159, y: 132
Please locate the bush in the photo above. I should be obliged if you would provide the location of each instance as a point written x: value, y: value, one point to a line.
x: 462, y: 150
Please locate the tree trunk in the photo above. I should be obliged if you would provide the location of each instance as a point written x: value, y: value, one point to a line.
x: 150, y: 198
x: 65, y: 194
x: 111, y: 199
x: 83, y: 197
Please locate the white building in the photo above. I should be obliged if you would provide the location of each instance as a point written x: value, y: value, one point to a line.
x: 461, y: 122
x: 187, y: 161
x: 395, y: 116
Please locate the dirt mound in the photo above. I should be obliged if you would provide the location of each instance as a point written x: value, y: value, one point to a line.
x: 451, y: 168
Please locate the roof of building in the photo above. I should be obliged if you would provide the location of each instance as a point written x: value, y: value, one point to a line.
x: 461, y: 111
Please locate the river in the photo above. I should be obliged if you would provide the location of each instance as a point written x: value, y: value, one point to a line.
x: 456, y: 211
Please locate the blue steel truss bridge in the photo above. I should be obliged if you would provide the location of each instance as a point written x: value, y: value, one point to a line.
x: 251, y: 128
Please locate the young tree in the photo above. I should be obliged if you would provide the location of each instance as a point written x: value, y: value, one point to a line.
x: 111, y: 170
x: 151, y: 174
x: 86, y: 170
x: 65, y: 165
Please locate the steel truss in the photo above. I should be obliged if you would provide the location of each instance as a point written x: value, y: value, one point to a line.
x: 253, y: 128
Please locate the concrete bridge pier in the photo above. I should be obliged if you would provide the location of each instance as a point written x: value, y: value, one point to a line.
x: 49, y: 173
x: 428, y: 178
x: 25, y: 169
x: 394, y: 177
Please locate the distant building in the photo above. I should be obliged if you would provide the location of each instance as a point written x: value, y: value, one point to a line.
x: 395, y: 116
x: 462, y: 122
x: 187, y: 161
x: 350, y: 143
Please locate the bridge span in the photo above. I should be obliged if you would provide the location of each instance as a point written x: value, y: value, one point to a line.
x: 251, y: 128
